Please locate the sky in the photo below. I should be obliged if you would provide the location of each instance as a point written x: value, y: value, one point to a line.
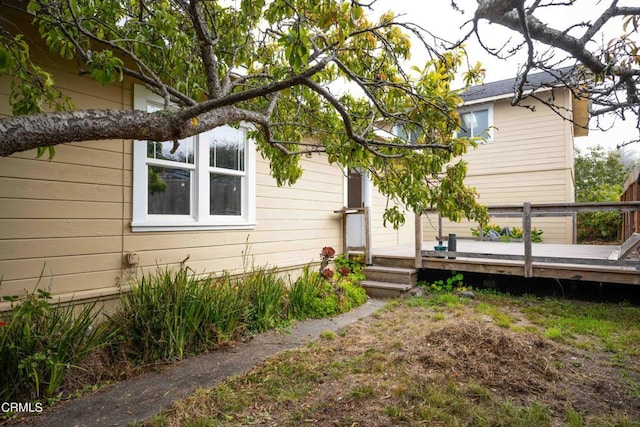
x: 438, y: 17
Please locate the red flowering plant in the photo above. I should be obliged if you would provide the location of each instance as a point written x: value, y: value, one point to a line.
x: 327, y: 273
x: 344, y: 267
x: 326, y: 255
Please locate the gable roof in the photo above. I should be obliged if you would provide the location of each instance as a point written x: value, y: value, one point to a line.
x: 505, y: 88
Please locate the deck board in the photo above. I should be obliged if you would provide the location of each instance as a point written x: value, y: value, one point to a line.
x: 629, y: 273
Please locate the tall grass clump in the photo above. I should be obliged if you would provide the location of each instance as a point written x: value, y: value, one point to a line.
x: 41, y: 342
x: 266, y: 293
x: 174, y: 313
x: 226, y: 310
x: 304, y: 293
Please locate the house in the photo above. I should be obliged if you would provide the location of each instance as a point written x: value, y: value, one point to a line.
x: 100, y: 213
x: 528, y: 155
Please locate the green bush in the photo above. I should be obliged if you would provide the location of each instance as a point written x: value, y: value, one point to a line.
x: 599, y: 176
x: 598, y: 226
x: 171, y: 314
x: 304, y: 292
x: 265, y: 292
x: 168, y: 315
x: 513, y: 232
x: 355, y: 268
x: 41, y: 342
x: 355, y: 295
x: 313, y: 296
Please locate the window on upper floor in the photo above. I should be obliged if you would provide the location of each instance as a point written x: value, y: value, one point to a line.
x: 401, y: 131
x: 205, y: 182
x: 477, y: 122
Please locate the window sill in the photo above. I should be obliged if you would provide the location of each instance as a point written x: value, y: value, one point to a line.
x: 139, y: 227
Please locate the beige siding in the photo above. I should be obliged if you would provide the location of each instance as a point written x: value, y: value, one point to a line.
x: 529, y: 160
x: 293, y: 224
x: 387, y: 236
x: 61, y: 220
x: 65, y: 223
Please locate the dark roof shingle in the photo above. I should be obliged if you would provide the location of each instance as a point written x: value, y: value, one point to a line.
x: 547, y: 78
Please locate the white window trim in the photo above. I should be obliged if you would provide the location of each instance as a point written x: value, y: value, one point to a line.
x: 200, y: 219
x: 480, y: 107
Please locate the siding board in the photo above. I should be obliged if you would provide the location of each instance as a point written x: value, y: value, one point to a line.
x: 62, y: 284
x: 42, y: 248
x: 58, y: 266
x: 20, y: 188
x: 59, y: 209
x: 50, y: 228
x: 51, y: 171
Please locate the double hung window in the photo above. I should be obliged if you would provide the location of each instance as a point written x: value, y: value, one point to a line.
x: 202, y: 182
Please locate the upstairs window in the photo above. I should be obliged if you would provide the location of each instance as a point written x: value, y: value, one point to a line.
x: 476, y: 122
x: 411, y: 136
x: 205, y: 182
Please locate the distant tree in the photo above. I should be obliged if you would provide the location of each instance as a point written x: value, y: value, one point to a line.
x: 281, y: 65
x: 600, y: 176
x: 607, y: 68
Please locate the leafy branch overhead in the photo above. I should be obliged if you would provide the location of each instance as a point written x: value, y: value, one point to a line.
x: 312, y: 77
x: 603, y: 50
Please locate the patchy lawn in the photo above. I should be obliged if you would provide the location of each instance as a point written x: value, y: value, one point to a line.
x: 442, y: 360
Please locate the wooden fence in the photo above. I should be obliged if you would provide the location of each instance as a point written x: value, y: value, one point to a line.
x: 631, y: 220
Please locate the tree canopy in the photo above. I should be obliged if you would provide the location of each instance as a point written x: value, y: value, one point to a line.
x: 603, y: 48
x: 311, y: 76
x: 600, y: 175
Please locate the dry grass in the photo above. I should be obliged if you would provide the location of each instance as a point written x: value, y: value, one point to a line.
x: 437, y: 361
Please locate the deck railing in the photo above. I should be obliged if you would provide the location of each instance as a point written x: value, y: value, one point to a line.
x: 527, y: 211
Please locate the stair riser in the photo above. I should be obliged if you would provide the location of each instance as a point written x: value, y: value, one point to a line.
x: 384, y: 293
x: 392, y: 277
x: 393, y: 262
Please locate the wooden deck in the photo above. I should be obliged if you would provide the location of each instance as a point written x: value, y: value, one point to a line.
x: 559, y: 261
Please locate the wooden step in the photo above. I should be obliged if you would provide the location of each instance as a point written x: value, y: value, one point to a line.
x: 385, y: 289
x: 391, y: 261
x: 399, y: 275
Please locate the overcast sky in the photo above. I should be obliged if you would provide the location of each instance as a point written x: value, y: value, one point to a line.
x: 438, y: 17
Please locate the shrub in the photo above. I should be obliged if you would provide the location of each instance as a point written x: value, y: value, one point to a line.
x: 598, y: 226
x: 303, y: 293
x: 353, y: 268
x: 507, y: 233
x: 171, y: 314
x: 41, y: 342
x: 226, y: 309
x: 266, y: 296
x: 314, y: 296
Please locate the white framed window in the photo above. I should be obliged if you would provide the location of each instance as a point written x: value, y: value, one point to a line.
x: 205, y: 182
x: 410, y: 136
x: 477, y: 122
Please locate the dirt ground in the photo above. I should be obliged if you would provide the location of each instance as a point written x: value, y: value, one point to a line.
x: 519, y: 366
x: 408, y: 348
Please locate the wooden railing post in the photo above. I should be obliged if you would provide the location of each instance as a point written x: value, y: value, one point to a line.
x: 526, y: 236
x: 418, y: 240
x: 345, y: 250
x: 367, y: 237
